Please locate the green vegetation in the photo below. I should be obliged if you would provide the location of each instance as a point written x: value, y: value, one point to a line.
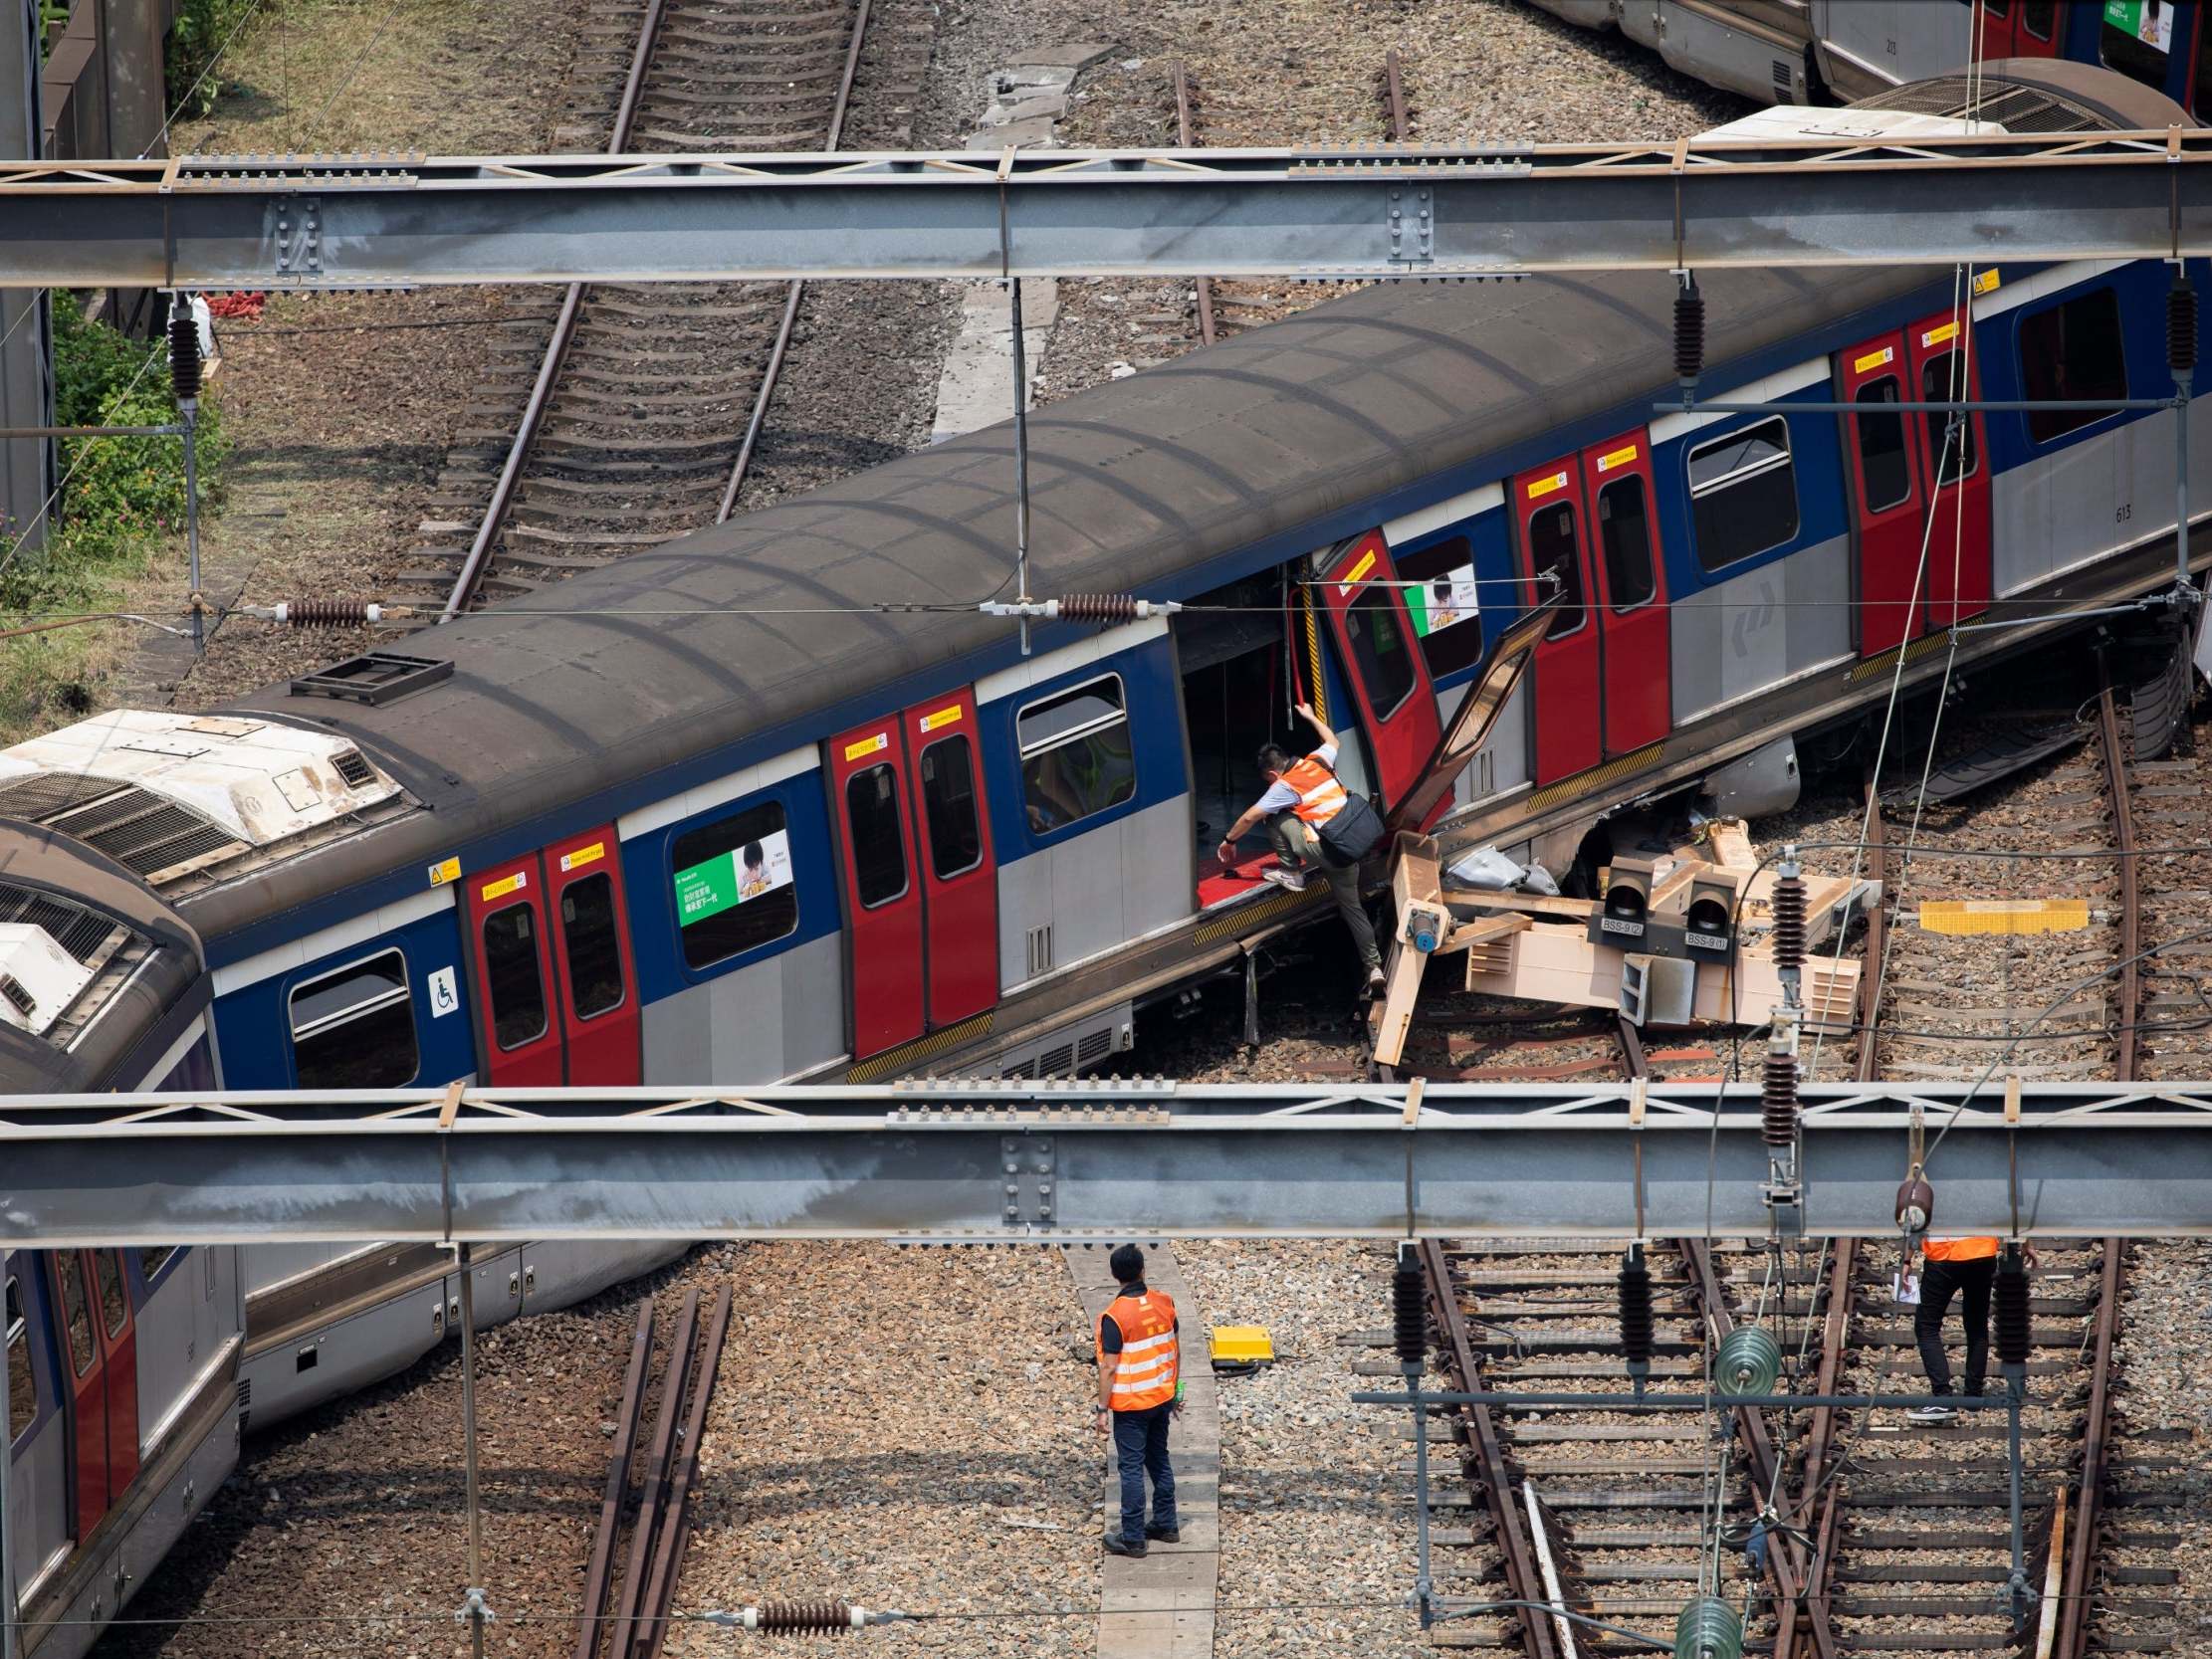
x: 201, y: 29
x: 121, y: 507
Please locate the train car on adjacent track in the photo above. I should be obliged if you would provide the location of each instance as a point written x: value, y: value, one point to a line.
x: 778, y: 801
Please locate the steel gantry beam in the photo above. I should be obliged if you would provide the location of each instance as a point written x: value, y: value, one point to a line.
x: 364, y: 221
x: 1015, y: 1162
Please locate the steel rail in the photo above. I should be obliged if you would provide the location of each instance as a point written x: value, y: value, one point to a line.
x: 627, y: 1417
x: 653, y: 1492
x: 2130, y: 905
x: 510, y: 477
x: 643, y: 1640
x: 2080, y: 1565
x: 1394, y: 99
x: 1818, y: 1609
x: 1485, y: 1455
x: 1184, y: 135
x: 758, y: 420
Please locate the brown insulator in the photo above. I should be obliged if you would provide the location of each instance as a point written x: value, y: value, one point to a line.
x: 1689, y: 334
x: 324, y: 613
x: 1789, y: 923
x: 2181, y: 328
x: 1635, y: 1310
x: 796, y: 1618
x: 1778, y: 1100
x: 1099, y: 607
x: 185, y: 354
x: 2009, y: 1300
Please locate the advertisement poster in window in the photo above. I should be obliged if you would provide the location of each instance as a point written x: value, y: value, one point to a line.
x: 1444, y: 601
x: 2148, y: 21
x: 730, y: 878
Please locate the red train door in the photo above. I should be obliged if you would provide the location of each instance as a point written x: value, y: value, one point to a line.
x: 1390, y: 678
x: 2021, y: 28
x: 1958, y: 579
x: 1886, y: 504
x: 85, y: 1384
x: 591, y: 946
x: 1621, y: 504
x: 887, y: 1001
x: 1548, y: 523
x: 507, y: 930
x: 118, y: 1358
x: 960, y: 876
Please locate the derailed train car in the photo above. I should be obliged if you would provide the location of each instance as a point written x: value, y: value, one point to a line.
x: 778, y: 802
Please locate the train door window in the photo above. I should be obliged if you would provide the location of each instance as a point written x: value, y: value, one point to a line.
x: 1551, y: 551
x: 733, y: 887
x: 1951, y: 450
x: 1625, y: 536
x: 878, y: 847
x: 1889, y: 474
x: 2134, y: 38
x: 948, y: 803
x: 1743, y: 493
x: 23, y: 1384
x: 2071, y: 351
x: 77, y: 1314
x: 587, y: 930
x: 2039, y: 18
x: 511, y: 977
x: 115, y: 1299
x: 356, y: 1028
x: 153, y: 1258
x: 1378, y: 646
x: 1076, y: 754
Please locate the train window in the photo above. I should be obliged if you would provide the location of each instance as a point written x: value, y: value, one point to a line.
x: 948, y: 803
x: 153, y: 1258
x: 356, y: 1028
x: 2137, y: 44
x: 76, y: 1310
x: 1444, y: 604
x: 2071, y: 351
x: 1625, y: 536
x: 512, y: 978
x: 594, y: 943
x: 1938, y: 376
x: 1743, y: 493
x: 1379, y: 647
x: 115, y: 1299
x: 1077, y: 758
x: 1886, y: 470
x: 22, y: 1385
x: 878, y: 846
x: 733, y: 887
x: 2039, y: 17
x: 1551, y: 550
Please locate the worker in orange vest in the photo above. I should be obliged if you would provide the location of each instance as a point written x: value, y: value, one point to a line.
x: 1966, y: 1268
x: 1140, y: 1362
x: 1303, y: 794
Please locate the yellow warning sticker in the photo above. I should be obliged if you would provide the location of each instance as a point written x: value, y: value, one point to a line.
x: 1988, y: 282
x: 1546, y: 486
x: 868, y: 746
x: 445, y: 870
x: 583, y: 856
x: 1873, y: 360
x: 2005, y: 916
x: 1357, y: 572
x: 948, y: 716
x: 1619, y: 458
x: 505, y: 885
x: 1936, y: 336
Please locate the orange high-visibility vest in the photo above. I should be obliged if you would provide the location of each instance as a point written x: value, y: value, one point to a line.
x: 1320, y: 796
x: 1958, y: 1249
x: 1145, y: 1368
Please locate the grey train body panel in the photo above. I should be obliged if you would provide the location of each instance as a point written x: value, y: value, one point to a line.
x: 1094, y: 892
x: 1757, y: 630
x: 777, y: 1018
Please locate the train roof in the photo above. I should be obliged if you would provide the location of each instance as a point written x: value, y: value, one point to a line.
x: 754, y: 636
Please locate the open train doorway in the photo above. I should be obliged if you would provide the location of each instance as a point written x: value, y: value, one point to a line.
x: 1245, y: 666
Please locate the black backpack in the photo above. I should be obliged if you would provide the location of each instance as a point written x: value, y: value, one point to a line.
x: 1352, y: 834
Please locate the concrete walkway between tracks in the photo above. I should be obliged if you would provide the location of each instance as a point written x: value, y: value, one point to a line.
x: 1162, y: 1608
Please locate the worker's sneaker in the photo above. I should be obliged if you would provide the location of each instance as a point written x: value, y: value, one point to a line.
x: 1283, y: 875
x: 1164, y: 1535
x: 1375, y: 980
x: 1116, y: 1544
x: 1930, y: 1414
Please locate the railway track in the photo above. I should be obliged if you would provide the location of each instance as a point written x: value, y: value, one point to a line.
x: 633, y: 414
x: 645, y: 1512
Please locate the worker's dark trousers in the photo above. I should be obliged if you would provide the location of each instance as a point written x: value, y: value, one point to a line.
x: 1141, y: 1446
x: 1297, y: 844
x: 1939, y: 1281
